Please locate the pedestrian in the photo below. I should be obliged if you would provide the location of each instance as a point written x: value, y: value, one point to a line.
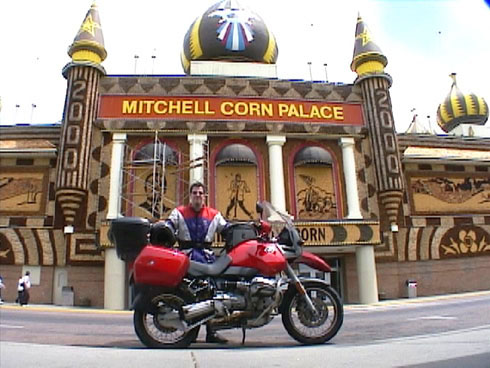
x: 195, y: 226
x: 2, y: 286
x: 23, y: 287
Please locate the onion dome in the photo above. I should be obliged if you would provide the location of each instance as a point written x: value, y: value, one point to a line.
x: 368, y: 57
x: 88, y: 45
x: 459, y: 108
x: 229, y: 32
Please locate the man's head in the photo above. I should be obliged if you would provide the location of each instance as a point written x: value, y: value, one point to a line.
x: 196, y: 195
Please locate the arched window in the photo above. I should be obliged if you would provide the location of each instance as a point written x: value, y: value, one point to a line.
x: 236, y: 182
x: 314, y: 184
x: 154, y: 180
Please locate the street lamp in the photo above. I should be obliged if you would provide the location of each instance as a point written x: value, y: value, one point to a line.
x: 17, y: 107
x: 33, y: 106
x: 309, y: 67
x: 153, y: 57
x: 136, y: 57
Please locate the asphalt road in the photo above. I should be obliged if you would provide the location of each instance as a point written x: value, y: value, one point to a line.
x: 452, y: 330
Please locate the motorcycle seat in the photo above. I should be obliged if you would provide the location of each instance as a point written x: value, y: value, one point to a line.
x: 209, y: 269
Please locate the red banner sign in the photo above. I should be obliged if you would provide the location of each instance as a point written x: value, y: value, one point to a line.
x: 192, y: 108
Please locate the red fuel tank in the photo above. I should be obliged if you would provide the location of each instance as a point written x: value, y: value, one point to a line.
x: 160, y: 266
x: 265, y: 257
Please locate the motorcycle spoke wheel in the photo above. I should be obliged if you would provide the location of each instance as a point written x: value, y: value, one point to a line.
x: 163, y: 329
x: 306, y: 326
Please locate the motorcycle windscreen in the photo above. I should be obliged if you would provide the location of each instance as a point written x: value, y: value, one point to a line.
x: 266, y: 258
x: 160, y: 266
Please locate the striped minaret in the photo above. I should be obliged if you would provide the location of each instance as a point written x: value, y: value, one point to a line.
x: 369, y: 62
x: 83, y: 73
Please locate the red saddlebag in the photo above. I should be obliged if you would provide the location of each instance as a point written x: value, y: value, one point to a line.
x: 160, y: 266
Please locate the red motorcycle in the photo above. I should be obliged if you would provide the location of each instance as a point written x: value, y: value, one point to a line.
x: 251, y: 282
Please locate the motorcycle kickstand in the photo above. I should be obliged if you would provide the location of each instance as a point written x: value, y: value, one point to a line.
x: 243, y: 335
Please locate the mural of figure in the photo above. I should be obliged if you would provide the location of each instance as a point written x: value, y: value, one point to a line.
x: 30, y: 187
x: 153, y: 189
x: 313, y: 198
x: 238, y: 188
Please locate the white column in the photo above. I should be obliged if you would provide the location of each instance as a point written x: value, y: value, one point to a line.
x: 353, y: 209
x: 278, y: 194
x: 366, y: 274
x: 196, y: 153
x: 114, y: 268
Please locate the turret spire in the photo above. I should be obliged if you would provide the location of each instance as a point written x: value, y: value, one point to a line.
x: 368, y: 57
x: 83, y: 74
x: 88, y: 45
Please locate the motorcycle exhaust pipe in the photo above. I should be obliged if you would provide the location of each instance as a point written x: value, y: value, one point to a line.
x: 198, y: 310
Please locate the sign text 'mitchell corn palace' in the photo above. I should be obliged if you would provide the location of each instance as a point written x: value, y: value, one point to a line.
x: 227, y: 109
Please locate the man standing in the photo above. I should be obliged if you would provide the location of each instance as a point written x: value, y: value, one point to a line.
x: 2, y: 286
x: 195, y: 226
x: 237, y: 189
x: 23, y: 287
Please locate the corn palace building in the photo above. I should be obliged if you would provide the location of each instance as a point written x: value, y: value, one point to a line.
x: 382, y: 208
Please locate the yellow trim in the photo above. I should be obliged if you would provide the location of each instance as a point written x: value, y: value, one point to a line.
x: 370, y: 54
x: 370, y: 67
x: 456, y: 105
x: 271, y: 48
x: 483, y: 107
x: 185, y: 62
x: 470, y: 105
x: 93, y: 46
x: 86, y: 55
x: 194, y: 41
x: 444, y: 114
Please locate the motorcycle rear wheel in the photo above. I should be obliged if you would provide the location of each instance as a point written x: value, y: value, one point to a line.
x: 302, y: 324
x: 161, y: 330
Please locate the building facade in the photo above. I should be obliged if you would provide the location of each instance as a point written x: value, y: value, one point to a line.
x: 382, y: 208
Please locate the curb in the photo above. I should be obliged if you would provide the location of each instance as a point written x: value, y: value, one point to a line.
x: 417, y: 300
x: 379, y: 305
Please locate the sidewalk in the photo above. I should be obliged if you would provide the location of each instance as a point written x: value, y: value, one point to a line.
x: 379, y: 305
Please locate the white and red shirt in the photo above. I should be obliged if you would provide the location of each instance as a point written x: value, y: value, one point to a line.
x: 197, y: 227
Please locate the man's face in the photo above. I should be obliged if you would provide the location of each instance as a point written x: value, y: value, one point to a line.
x: 197, y: 198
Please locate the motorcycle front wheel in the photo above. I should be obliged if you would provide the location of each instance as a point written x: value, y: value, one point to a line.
x: 164, y: 328
x: 313, y: 328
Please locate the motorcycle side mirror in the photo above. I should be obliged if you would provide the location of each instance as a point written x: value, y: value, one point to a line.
x: 259, y: 208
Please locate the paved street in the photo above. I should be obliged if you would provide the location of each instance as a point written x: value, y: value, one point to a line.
x: 427, y: 332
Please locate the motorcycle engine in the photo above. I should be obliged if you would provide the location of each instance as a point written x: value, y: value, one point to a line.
x: 260, y: 286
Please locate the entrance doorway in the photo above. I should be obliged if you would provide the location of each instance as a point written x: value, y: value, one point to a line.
x: 334, y: 278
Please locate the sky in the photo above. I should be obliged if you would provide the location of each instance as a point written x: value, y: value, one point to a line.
x: 424, y: 41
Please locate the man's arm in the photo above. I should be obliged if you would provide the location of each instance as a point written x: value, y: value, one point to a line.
x: 173, y: 220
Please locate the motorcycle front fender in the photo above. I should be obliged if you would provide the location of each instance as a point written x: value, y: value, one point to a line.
x: 293, y: 290
x: 313, y: 261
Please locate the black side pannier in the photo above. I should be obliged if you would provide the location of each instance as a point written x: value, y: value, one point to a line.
x: 129, y: 235
x: 238, y: 233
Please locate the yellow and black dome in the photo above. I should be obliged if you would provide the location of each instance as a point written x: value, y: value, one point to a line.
x: 229, y: 32
x: 459, y: 108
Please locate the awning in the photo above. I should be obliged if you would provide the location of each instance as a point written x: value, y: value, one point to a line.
x: 27, y: 148
x: 449, y: 154
x: 313, y: 156
x: 159, y: 153
x: 236, y: 154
